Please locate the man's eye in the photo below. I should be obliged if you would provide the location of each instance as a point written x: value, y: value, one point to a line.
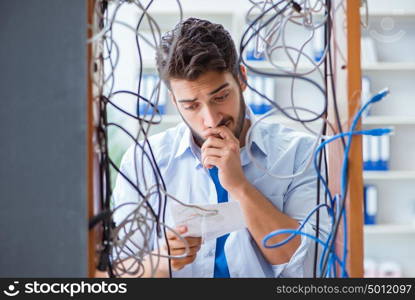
x: 221, y: 98
x: 191, y: 107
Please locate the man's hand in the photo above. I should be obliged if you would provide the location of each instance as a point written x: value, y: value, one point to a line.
x: 221, y: 149
x: 178, y: 247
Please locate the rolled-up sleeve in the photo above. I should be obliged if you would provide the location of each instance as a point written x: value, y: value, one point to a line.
x: 299, y: 201
x: 295, y: 267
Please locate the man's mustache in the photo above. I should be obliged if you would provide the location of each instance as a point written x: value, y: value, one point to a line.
x: 222, y: 123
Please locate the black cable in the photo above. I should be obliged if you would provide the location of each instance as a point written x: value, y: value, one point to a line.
x: 328, y: 58
x: 149, y: 122
x: 343, y: 200
x: 324, y: 91
x: 328, y: 31
x: 326, y: 41
x: 101, y: 216
x: 316, y: 246
x: 104, y: 259
x: 144, y: 123
x: 105, y: 161
x: 164, y: 205
x: 242, y: 61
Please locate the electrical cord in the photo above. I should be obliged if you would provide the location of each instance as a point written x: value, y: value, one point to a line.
x: 268, y: 30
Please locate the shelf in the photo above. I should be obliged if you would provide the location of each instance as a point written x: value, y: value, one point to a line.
x: 379, y: 66
x: 283, y: 65
x: 266, y: 66
x: 391, y: 14
x: 388, y: 120
x: 262, y: 65
x: 389, y: 66
x: 389, y: 229
x: 371, y: 120
x: 223, y: 7
x: 389, y: 175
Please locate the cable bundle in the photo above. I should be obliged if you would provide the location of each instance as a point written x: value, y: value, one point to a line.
x: 267, y: 21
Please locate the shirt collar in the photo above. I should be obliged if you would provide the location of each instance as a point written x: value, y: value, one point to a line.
x: 184, y: 140
x: 257, y: 139
x: 187, y: 142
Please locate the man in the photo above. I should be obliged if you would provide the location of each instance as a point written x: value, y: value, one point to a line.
x: 198, y: 63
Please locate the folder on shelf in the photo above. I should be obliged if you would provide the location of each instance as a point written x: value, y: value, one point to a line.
x: 376, y: 153
x: 370, y: 204
x: 155, y: 95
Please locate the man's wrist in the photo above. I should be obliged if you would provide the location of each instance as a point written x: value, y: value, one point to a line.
x: 239, y: 192
x: 159, y: 265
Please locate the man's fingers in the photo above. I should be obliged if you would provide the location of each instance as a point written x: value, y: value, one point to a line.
x: 210, y: 161
x: 223, y: 131
x: 211, y: 152
x: 213, y: 142
x: 179, y: 230
x: 178, y: 264
x: 179, y: 244
x: 214, y: 152
x: 182, y: 251
x: 194, y: 241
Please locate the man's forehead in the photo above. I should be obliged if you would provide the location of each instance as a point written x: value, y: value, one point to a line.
x: 206, y: 79
x: 203, y: 86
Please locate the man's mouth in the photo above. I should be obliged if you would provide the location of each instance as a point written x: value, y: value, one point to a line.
x: 227, y: 123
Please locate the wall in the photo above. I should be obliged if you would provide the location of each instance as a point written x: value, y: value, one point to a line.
x: 43, y: 215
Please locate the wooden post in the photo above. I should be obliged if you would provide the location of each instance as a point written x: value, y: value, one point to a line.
x: 355, y: 191
x: 347, y: 77
x: 93, y: 190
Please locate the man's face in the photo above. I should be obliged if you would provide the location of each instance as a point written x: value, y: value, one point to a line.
x: 214, y: 99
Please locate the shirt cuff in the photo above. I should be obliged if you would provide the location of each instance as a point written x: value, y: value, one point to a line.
x: 295, y: 267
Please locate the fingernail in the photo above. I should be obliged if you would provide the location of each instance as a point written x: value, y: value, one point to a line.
x: 182, y: 229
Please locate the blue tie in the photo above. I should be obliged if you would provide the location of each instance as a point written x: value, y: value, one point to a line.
x: 221, y: 265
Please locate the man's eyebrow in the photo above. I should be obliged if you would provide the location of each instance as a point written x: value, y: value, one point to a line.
x: 187, y: 100
x: 219, y: 88
x: 211, y: 93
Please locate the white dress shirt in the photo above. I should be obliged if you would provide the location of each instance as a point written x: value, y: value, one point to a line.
x: 279, y: 149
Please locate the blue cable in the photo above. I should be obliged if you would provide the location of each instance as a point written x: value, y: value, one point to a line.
x: 274, y: 233
x: 296, y: 232
x: 344, y: 274
x: 374, y: 132
x: 299, y: 232
x: 376, y: 98
x: 332, y: 255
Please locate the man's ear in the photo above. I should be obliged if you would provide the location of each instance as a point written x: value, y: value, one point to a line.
x: 243, y: 78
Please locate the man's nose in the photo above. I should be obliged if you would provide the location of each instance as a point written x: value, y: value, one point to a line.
x: 211, y: 118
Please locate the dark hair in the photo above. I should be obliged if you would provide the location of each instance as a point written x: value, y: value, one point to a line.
x: 194, y: 47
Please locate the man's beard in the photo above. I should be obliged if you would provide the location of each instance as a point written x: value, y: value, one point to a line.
x: 236, y: 132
